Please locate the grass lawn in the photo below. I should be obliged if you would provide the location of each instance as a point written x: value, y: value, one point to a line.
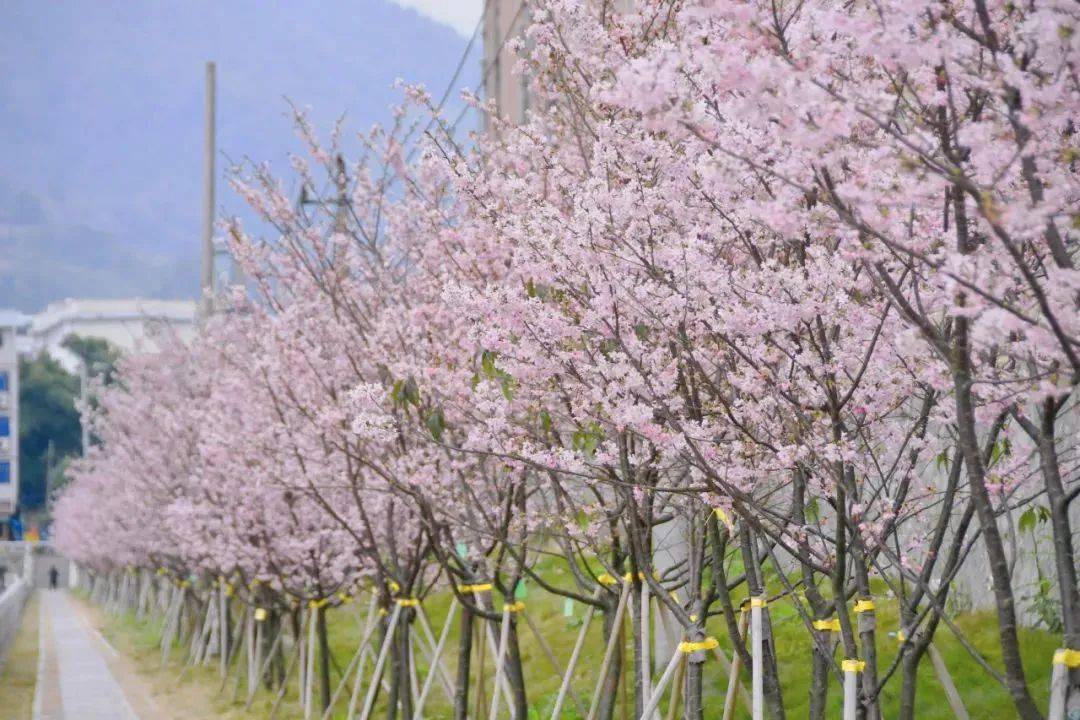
x: 983, y: 697
x: 19, y: 674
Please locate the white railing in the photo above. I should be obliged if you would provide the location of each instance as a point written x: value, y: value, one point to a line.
x: 12, y: 601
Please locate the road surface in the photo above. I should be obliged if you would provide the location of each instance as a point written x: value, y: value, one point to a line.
x: 74, y: 679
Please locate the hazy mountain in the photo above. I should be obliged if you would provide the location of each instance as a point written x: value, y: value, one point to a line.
x: 101, y: 122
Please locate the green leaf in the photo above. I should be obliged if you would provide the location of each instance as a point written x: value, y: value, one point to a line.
x: 436, y: 423
x: 487, y: 363
x: 1027, y: 520
x: 507, y: 385
x: 397, y: 394
x: 411, y: 391
x: 1002, y: 448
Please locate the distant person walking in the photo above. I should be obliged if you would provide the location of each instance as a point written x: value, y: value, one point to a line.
x: 54, y: 577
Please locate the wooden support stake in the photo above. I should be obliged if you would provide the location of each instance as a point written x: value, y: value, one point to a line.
x: 654, y: 701
x: 734, y: 686
x: 500, y: 656
x: 388, y: 641
x: 574, y: 655
x: 436, y: 659
x: 951, y: 693
x: 609, y: 653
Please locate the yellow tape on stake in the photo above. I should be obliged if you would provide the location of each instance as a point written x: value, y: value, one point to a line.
x: 855, y: 666
x: 606, y: 579
x: 482, y: 587
x: 514, y: 607
x: 863, y: 606
x: 318, y: 604
x: 725, y: 519
x: 758, y: 602
x: 829, y: 625
x: 260, y: 614
x: 1068, y: 658
x: 408, y: 602
x: 707, y: 644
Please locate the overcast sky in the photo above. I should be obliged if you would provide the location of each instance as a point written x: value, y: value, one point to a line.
x: 101, y: 119
x: 462, y: 15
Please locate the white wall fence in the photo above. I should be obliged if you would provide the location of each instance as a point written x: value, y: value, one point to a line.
x: 18, y: 586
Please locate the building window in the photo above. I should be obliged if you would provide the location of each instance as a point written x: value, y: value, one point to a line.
x: 3, y: 381
x: 5, y: 473
x: 5, y: 426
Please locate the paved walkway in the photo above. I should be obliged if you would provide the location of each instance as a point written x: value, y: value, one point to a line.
x: 74, y: 680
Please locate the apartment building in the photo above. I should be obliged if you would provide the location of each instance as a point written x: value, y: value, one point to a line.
x: 10, y: 324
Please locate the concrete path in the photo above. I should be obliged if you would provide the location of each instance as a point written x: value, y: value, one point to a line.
x: 74, y: 680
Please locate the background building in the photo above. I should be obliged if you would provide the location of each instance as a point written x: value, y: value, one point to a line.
x: 504, y: 20
x: 10, y: 323
x: 126, y: 324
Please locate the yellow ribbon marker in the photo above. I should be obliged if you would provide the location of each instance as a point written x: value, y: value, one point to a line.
x: 708, y: 643
x: 394, y: 587
x: 606, y: 579
x: 724, y: 518
x: 855, y: 666
x: 863, y: 606
x: 758, y: 602
x: 408, y: 602
x: 260, y: 614
x: 901, y: 637
x: 514, y: 607
x: 629, y: 577
x: 482, y: 587
x: 318, y: 604
x: 1068, y: 658
x: 828, y: 625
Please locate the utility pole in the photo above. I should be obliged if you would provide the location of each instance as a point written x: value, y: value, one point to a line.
x: 207, y: 284
x: 84, y: 396
x: 50, y: 461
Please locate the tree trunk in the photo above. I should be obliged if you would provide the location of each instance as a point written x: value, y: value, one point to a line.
x: 324, y: 659
x: 461, y: 688
x: 1015, y: 679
